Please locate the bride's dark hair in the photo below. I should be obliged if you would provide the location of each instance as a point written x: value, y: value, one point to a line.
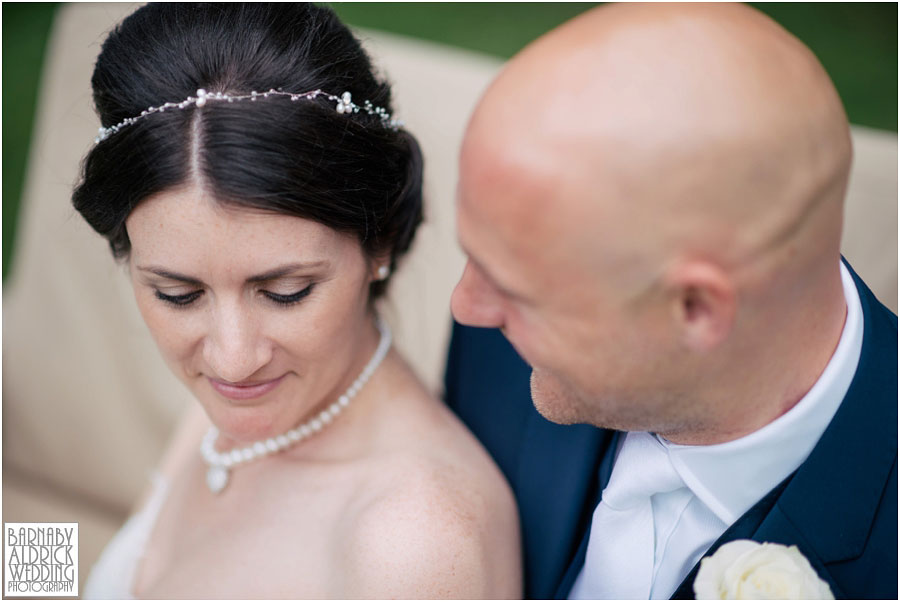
x: 303, y: 158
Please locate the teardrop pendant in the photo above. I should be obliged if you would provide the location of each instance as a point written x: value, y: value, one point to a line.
x: 216, y: 478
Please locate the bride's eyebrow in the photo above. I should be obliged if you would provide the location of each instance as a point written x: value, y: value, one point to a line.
x: 269, y: 275
x: 169, y: 274
x: 285, y: 270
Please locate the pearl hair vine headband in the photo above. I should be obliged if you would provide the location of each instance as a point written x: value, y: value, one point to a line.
x: 345, y: 106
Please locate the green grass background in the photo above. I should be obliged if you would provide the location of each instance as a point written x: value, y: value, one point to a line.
x: 856, y: 42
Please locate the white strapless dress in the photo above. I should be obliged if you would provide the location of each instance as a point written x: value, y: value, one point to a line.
x: 112, y: 576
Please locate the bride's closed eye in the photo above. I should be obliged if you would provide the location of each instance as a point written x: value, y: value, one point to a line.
x: 288, y: 299
x: 188, y: 298
x: 178, y: 300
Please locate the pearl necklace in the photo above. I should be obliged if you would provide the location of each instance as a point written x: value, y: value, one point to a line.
x: 221, y: 462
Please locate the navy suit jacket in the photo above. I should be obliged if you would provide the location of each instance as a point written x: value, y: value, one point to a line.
x: 839, y: 507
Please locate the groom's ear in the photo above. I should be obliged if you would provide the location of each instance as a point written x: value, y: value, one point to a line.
x: 703, y: 303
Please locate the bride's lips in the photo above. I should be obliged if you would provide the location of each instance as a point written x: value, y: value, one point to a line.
x: 244, y: 390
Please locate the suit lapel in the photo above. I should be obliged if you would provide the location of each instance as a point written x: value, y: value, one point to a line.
x: 555, y: 484
x: 746, y: 527
x: 603, y: 473
x: 860, y: 445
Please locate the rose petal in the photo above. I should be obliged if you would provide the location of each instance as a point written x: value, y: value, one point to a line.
x: 745, y: 569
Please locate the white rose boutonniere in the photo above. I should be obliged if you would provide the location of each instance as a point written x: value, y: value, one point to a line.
x: 748, y: 570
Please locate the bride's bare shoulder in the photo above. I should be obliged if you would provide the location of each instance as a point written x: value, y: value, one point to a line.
x: 433, y: 529
x: 436, y: 518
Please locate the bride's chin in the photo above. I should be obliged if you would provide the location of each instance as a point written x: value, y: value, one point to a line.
x: 243, y: 425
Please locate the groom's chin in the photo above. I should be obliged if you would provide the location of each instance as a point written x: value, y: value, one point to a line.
x: 554, y: 399
x: 559, y: 401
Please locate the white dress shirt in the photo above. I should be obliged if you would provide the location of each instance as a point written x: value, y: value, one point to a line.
x: 724, y: 481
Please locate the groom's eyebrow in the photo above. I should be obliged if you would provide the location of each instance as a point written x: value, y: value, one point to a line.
x: 506, y: 292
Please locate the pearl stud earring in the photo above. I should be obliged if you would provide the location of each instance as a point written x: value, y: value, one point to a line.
x: 383, y: 272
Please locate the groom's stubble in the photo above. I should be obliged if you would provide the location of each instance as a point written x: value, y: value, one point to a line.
x: 558, y: 400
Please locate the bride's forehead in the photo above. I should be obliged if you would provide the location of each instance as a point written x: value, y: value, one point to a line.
x: 197, y: 219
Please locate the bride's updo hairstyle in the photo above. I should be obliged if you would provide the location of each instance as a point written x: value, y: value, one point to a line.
x: 348, y: 171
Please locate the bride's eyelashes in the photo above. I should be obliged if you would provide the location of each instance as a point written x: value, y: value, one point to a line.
x: 178, y: 300
x: 289, y: 299
x: 186, y: 299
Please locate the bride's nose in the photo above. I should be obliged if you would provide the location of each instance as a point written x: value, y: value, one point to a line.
x: 235, y: 346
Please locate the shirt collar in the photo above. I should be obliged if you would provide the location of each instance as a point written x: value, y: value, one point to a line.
x: 730, y: 477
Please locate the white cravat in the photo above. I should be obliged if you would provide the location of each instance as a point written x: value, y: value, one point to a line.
x: 622, y: 545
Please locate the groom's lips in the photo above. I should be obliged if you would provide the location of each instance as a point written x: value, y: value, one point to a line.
x: 244, y: 390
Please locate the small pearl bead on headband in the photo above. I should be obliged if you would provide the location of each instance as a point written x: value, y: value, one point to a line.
x: 345, y: 105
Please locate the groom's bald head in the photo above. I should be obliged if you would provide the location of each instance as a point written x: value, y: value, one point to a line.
x: 644, y: 192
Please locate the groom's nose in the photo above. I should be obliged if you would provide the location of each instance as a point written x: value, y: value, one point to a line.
x: 475, y: 301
